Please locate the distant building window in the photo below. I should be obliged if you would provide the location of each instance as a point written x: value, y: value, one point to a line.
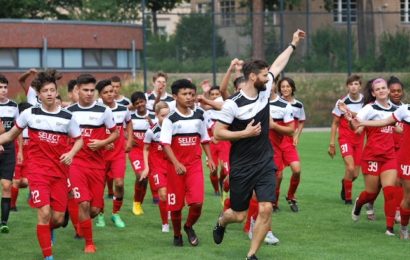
x: 228, y: 12
x: 29, y: 58
x: 137, y: 59
x: 340, y: 8
x: 122, y: 59
x: 73, y: 58
x: 108, y: 58
x: 92, y: 58
x: 54, y: 58
x: 97, y: 58
x: 8, y: 58
x: 405, y: 11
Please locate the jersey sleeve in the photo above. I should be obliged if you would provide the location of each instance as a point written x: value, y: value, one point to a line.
x: 172, y: 105
x: 148, y: 136
x: 109, y: 121
x: 166, y: 132
x: 302, y: 116
x: 32, y: 96
x: 22, y: 120
x: 336, y: 111
x: 227, y: 113
x: 127, y: 116
x: 288, y: 117
x: 204, y: 132
x: 74, y: 130
x: 401, y: 113
x: 365, y: 113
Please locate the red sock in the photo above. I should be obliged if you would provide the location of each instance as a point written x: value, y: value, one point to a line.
x: 140, y: 188
x: 110, y: 186
x: 14, y: 195
x: 398, y: 196
x: 227, y: 204
x: 214, y: 181
x: 389, y: 205
x: 176, y: 222
x: 364, y: 198
x: 163, y: 211
x: 44, y: 239
x: 87, y: 230
x: 293, y: 185
x: 193, y: 214
x: 252, y: 212
x: 405, y: 215
x: 226, y: 185
x: 348, y: 184
x: 116, y: 204
x: 73, y: 212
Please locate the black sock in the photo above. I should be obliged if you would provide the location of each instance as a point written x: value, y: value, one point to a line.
x: 5, y: 210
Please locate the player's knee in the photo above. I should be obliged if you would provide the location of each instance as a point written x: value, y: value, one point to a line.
x: 6, y: 185
x: 241, y: 216
x: 350, y: 168
x: 162, y: 194
x: 265, y: 209
x: 94, y: 212
x: 58, y: 220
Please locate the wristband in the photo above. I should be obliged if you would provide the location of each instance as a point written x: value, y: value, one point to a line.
x: 293, y: 46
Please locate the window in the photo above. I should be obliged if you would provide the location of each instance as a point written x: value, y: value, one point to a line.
x: 122, y: 59
x: 29, y: 58
x: 228, y: 12
x: 54, y: 58
x: 405, y: 11
x: 92, y: 58
x: 108, y: 58
x: 340, y: 9
x: 137, y: 59
x: 97, y: 58
x: 8, y: 58
x: 73, y: 58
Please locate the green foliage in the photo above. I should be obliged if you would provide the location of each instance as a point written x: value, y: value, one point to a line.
x: 39, y: 9
x: 107, y: 10
x: 395, y: 51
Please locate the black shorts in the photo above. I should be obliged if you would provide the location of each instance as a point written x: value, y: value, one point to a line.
x: 260, y: 178
x: 7, y: 164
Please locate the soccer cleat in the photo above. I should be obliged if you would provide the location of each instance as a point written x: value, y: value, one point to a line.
x: 218, y: 233
x: 137, y: 209
x: 100, y: 222
x: 355, y: 211
x: 270, y: 239
x: 117, y: 221
x: 370, y: 212
x: 178, y: 241
x: 49, y: 257
x: 192, y: 238
x: 14, y: 209
x: 165, y: 228
x: 252, y: 257
x: 217, y: 193
x: 404, y: 233
x: 109, y: 196
x: 155, y: 201
x: 342, y: 191
x: 397, y: 217
x: 4, y: 229
x: 389, y: 232
x: 292, y: 204
x: 78, y: 237
x: 90, y: 249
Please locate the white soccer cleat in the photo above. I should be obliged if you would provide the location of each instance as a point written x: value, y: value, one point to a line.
x: 354, y: 216
x: 404, y: 233
x: 270, y: 239
x: 389, y: 233
x: 165, y: 228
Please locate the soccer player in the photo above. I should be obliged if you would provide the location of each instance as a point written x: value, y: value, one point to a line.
x: 8, y: 114
x: 287, y: 89
x: 350, y: 144
x: 402, y: 114
x: 72, y: 91
x: 141, y: 119
x: 155, y: 163
x: 22, y: 165
x: 245, y: 120
x: 119, y: 98
x: 159, y: 92
x: 379, y: 160
x: 115, y: 157
x: 87, y: 172
x: 183, y: 132
x: 50, y: 152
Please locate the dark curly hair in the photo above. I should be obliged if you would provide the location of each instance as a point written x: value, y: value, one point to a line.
x: 45, y: 77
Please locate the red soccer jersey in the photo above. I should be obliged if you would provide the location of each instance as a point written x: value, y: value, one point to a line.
x: 157, y: 157
x: 121, y: 117
x: 49, y: 135
x: 185, y: 135
x: 282, y: 113
x: 140, y: 125
x: 299, y: 115
x: 402, y: 114
x: 94, y: 121
x: 380, y: 143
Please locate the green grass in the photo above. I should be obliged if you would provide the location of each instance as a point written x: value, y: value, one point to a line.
x: 323, y: 228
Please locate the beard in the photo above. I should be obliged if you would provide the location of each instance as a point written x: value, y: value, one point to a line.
x: 259, y: 85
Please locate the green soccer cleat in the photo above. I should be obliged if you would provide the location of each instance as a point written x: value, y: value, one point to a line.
x: 4, y: 229
x: 100, y: 221
x: 117, y: 221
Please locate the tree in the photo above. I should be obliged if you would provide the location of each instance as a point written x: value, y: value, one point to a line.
x: 160, y: 5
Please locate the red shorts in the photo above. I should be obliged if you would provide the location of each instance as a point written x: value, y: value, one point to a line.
x: 187, y: 188
x: 220, y: 153
x: 157, y: 178
x: 48, y: 190
x: 355, y: 150
x: 88, y: 185
x: 289, y: 155
x: 116, y: 168
x: 137, y: 160
x: 375, y: 168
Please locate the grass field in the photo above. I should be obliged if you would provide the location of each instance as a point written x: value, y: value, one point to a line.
x: 323, y: 228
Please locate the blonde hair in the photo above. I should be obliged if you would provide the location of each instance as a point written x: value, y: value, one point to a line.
x: 160, y: 105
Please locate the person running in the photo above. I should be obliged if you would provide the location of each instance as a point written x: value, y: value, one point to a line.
x: 245, y: 121
x: 50, y: 129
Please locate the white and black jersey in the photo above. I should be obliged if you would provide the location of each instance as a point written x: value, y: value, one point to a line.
x: 8, y: 114
x: 167, y: 98
x: 237, y: 111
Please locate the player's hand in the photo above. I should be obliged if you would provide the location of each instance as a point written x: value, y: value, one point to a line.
x: 180, y: 168
x: 354, y: 124
x: 297, y: 36
x: 295, y: 140
x: 20, y: 158
x: 211, y: 165
x: 200, y: 98
x: 343, y: 107
x: 149, y: 120
x: 206, y: 86
x: 253, y: 130
x: 398, y: 128
x: 239, y: 65
x: 66, y: 158
x: 95, y: 144
x: 144, y: 174
x: 109, y: 147
x: 33, y: 71
x: 331, y: 150
x: 233, y: 64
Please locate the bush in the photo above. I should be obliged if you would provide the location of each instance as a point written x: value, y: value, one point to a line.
x: 395, y: 51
